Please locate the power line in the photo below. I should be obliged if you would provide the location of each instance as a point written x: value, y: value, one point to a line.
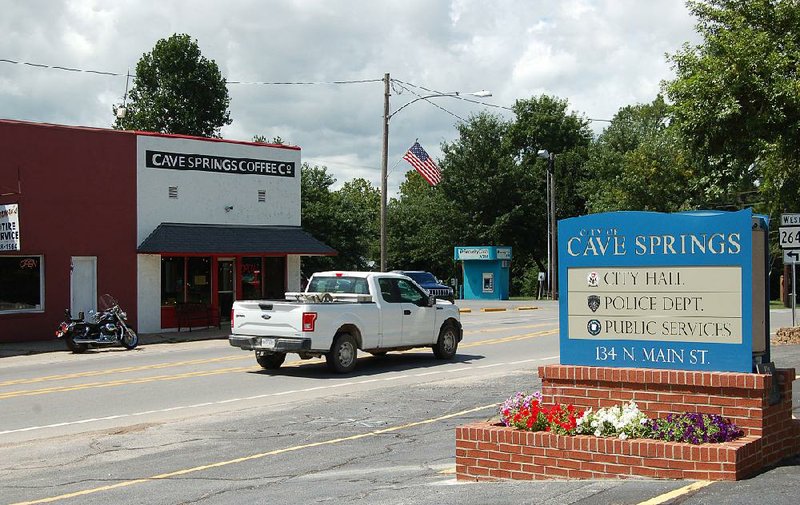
x: 58, y: 67
x: 118, y: 74
x: 404, y: 85
x: 308, y: 83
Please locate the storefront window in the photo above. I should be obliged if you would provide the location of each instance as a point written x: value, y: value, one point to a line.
x: 198, y: 280
x: 172, y: 280
x: 21, y: 283
x: 185, y: 280
x: 251, y: 278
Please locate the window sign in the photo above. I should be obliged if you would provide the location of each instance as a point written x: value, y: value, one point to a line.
x: 9, y: 227
x: 21, y: 284
x: 650, y: 290
x: 488, y: 282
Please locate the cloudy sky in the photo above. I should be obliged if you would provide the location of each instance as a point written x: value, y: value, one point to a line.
x: 600, y: 55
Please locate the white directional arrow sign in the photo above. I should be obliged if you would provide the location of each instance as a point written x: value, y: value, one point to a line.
x: 791, y: 256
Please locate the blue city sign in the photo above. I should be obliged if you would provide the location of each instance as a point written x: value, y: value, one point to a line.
x: 653, y: 290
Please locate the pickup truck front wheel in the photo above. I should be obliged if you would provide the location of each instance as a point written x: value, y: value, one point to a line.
x: 447, y: 344
x: 271, y: 361
x: 342, y: 356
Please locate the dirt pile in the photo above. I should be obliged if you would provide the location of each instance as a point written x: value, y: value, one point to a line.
x: 786, y: 336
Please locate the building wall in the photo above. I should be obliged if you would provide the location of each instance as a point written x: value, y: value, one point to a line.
x: 293, y: 272
x: 204, y: 196
x: 149, y: 291
x: 77, y: 198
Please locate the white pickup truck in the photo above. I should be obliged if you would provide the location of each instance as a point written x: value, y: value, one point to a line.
x: 341, y: 312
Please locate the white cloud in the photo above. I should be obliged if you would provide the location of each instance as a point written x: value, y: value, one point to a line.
x: 598, y: 54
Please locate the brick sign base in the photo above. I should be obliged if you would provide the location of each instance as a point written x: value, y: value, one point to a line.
x: 490, y: 452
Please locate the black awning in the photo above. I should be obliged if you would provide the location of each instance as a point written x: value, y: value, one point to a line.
x: 180, y: 238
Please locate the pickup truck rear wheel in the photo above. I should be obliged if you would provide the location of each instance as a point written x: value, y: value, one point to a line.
x: 342, y: 356
x: 447, y: 344
x: 271, y: 361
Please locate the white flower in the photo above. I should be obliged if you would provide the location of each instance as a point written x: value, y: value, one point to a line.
x: 623, y: 436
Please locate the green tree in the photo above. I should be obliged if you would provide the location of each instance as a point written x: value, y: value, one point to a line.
x: 419, y: 221
x: 345, y: 220
x: 544, y: 123
x: 737, y: 100
x: 176, y: 90
x: 317, y: 207
x: 638, y: 163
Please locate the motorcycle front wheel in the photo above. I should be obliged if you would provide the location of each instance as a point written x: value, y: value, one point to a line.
x: 130, y: 339
x: 69, y: 338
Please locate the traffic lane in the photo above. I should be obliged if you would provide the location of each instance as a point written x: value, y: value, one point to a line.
x: 157, y: 399
x: 389, y: 446
x: 63, y: 362
x: 106, y: 367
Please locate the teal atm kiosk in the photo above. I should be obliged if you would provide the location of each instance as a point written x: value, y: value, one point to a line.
x: 486, y: 272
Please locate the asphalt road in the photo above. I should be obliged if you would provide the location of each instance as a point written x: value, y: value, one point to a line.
x: 200, y: 422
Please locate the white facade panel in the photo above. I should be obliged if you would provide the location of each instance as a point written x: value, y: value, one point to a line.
x: 149, y: 293
x: 293, y: 272
x: 215, y: 183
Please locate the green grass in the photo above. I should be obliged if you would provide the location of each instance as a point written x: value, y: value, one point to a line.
x: 776, y: 304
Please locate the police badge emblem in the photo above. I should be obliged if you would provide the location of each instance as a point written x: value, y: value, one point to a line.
x: 594, y: 302
x: 593, y: 279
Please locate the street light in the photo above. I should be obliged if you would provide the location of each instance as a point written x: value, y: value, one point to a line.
x: 385, y: 151
x: 552, y: 244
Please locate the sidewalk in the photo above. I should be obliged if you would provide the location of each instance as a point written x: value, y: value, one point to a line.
x: 56, y: 345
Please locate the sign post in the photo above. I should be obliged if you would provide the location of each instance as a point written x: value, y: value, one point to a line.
x: 789, y: 238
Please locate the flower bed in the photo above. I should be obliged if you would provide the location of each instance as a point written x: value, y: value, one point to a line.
x: 487, y: 451
x: 527, y: 412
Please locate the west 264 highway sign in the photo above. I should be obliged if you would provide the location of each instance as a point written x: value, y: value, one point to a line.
x: 789, y: 237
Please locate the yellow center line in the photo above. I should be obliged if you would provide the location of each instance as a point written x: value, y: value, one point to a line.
x: 252, y: 457
x: 506, y: 328
x: 157, y: 366
x: 220, y: 371
x: 93, y: 373
x: 676, y: 493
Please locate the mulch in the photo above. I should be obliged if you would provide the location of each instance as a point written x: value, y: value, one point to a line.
x: 786, y: 336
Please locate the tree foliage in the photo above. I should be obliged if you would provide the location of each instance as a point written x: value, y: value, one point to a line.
x: 737, y: 100
x: 421, y: 229
x: 345, y: 220
x: 176, y: 90
x: 638, y: 163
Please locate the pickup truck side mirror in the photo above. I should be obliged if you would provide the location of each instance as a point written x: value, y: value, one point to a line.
x: 431, y: 301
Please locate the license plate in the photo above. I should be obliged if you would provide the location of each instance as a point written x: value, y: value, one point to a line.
x: 267, y: 343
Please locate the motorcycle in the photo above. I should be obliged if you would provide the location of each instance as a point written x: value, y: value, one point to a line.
x: 107, y: 327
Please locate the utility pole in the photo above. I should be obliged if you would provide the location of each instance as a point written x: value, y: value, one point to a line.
x: 551, y: 172
x: 384, y: 163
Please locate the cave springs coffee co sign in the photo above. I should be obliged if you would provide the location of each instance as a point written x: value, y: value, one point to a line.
x: 651, y: 290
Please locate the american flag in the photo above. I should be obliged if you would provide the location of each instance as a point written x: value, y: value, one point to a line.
x: 420, y: 160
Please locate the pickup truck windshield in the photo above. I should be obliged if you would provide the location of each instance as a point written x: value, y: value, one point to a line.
x: 357, y: 285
